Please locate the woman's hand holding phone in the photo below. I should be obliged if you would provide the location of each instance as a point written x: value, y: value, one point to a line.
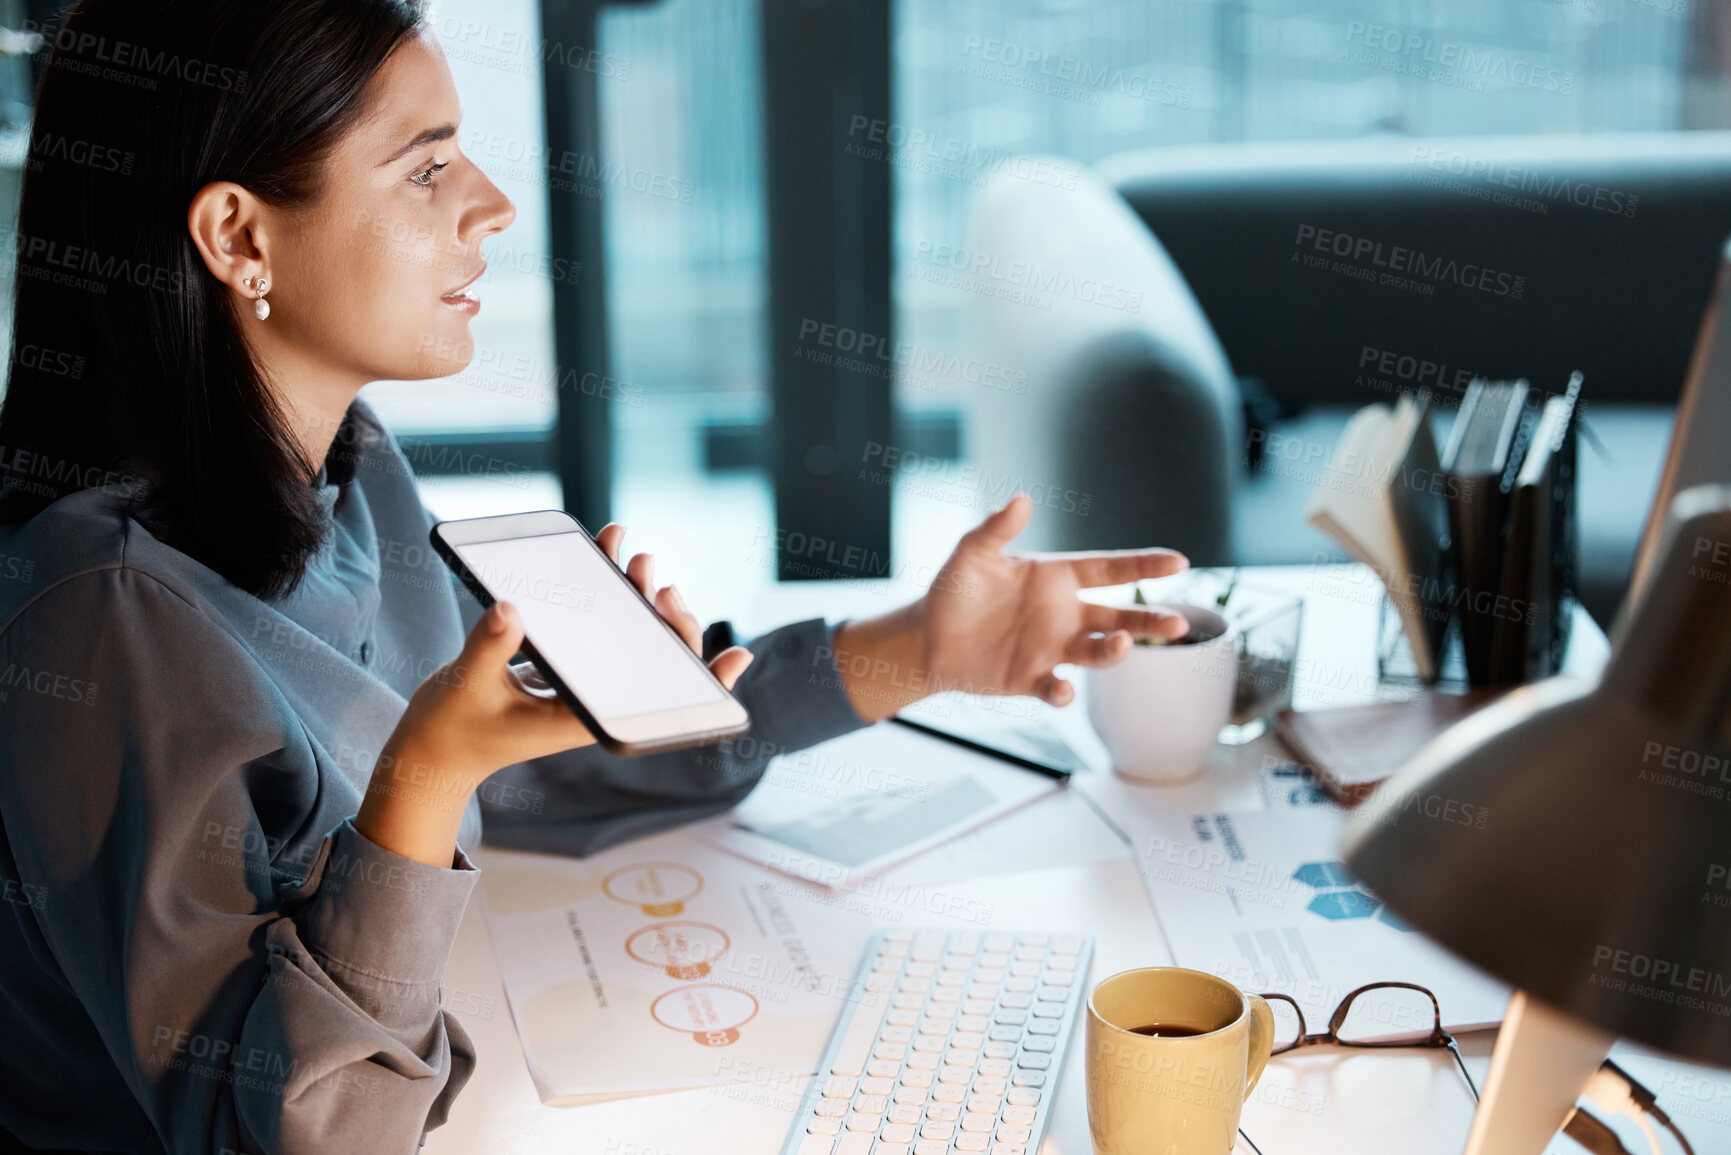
x: 478, y: 714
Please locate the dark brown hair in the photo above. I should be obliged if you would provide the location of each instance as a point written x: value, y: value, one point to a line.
x: 127, y: 364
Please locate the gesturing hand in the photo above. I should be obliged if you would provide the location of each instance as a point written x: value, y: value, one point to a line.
x: 997, y: 622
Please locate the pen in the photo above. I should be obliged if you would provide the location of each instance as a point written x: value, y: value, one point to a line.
x: 1058, y: 772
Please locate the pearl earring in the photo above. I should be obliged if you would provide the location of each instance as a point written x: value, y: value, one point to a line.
x: 260, y: 286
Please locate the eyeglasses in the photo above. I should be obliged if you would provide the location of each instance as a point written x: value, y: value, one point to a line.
x: 1374, y: 1015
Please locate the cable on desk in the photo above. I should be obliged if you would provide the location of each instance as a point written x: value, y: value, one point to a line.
x: 1247, y: 1139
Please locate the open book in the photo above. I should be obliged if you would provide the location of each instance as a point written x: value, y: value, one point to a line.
x: 1382, y: 499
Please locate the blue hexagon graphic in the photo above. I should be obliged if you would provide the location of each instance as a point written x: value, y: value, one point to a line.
x: 1323, y: 875
x: 1338, y: 904
x: 1389, y: 916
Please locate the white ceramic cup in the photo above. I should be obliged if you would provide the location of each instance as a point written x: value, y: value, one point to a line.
x: 1160, y: 710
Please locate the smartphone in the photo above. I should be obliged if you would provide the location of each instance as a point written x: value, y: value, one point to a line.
x: 591, y: 633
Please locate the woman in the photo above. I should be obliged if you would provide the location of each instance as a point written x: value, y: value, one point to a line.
x: 229, y: 688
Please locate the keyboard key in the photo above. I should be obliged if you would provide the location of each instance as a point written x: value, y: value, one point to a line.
x: 935, y: 1129
x: 1015, y: 1133
x: 978, y: 1007
x: 1048, y: 1010
x: 1060, y: 962
x: 859, y: 1122
x: 1009, y: 1017
x: 1039, y: 1044
x: 909, y: 1002
x: 915, y: 986
x: 890, y: 1149
x: 862, y: 1032
x: 1019, y: 1115
x: 1008, y: 1149
x: 872, y: 1085
x: 896, y: 1034
x: 1034, y: 1062
x: 904, y: 1113
x: 1019, y: 987
x: 921, y: 970
x: 901, y: 1133
x: 1023, y: 1097
x: 944, y: 1112
x: 988, y: 1085
x: 1036, y: 939
x: 948, y: 1093
x: 962, y: 1057
x: 990, y: 976
x: 975, y: 1121
x: 1016, y: 1001
x: 923, y: 1060
x: 1045, y: 1026
x: 947, y: 995
x: 1025, y: 970
x: 903, y: 1018
x: 823, y: 1126
x: 840, y: 1087
x: 928, y: 945
x: 965, y: 941
x: 836, y: 1107
x: 999, y: 942
x: 1052, y: 994
x: 1068, y: 944
x: 1005, y: 1031
x: 995, y: 1066
x: 985, y: 1104
x: 883, y: 1068
x: 972, y: 1040
x: 1028, y: 1077
x: 1000, y: 1050
x: 958, y: 1075
x: 871, y: 1104
x: 932, y: 1147
x: 981, y: 993
x: 1060, y: 979
x: 890, y: 1051
x: 816, y: 1145
x: 914, y: 1077
x: 972, y: 1142
x: 912, y: 1096
x: 857, y: 1143
x: 899, y: 934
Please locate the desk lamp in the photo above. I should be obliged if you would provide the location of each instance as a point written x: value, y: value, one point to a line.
x: 1598, y: 887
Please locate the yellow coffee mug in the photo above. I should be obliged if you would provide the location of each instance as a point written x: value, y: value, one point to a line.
x: 1172, y: 1056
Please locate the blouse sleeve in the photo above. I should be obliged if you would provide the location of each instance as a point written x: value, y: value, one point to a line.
x: 252, y: 997
x: 580, y: 801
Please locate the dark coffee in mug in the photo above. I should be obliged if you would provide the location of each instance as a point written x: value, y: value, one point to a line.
x: 1168, y: 1031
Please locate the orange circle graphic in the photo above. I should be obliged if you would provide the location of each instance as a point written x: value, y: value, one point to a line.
x: 710, y: 1012
x: 683, y: 949
x: 659, y: 888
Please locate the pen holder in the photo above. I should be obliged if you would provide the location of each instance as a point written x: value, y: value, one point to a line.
x: 1395, y: 666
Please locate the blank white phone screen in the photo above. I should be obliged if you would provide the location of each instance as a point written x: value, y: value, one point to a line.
x: 603, y: 642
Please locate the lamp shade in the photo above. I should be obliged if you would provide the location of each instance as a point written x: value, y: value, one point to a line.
x: 1574, y: 839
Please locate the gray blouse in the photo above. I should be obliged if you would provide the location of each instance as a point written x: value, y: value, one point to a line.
x: 198, y: 951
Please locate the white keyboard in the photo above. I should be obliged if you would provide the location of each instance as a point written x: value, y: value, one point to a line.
x: 953, y: 1042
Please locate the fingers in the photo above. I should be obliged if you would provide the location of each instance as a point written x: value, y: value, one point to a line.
x: 1116, y: 567
x: 1000, y: 528
x: 673, y: 609
x: 611, y: 538
x: 497, y: 636
x: 641, y: 571
x: 1098, y: 649
x: 1137, y: 623
x: 730, y: 663
x: 1053, y: 690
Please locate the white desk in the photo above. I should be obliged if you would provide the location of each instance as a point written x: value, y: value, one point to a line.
x: 1324, y: 1100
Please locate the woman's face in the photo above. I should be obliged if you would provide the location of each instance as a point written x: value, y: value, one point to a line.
x: 374, y: 279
